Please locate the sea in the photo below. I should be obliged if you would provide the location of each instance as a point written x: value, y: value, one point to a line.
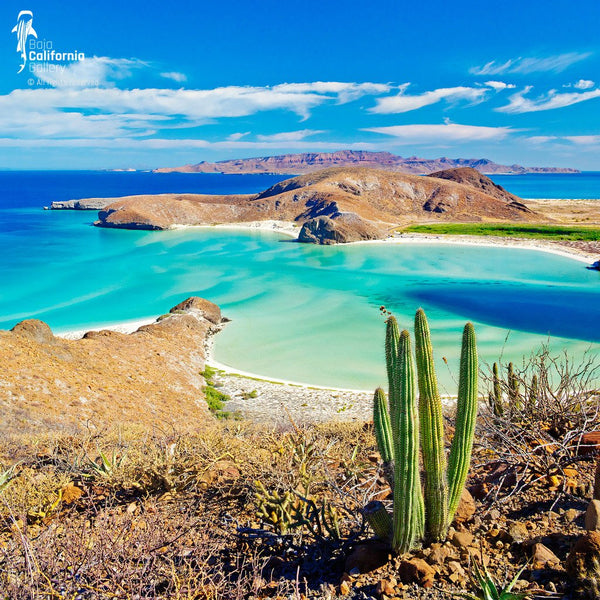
x: 298, y: 312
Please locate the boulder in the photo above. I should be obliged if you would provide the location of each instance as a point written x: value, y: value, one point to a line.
x: 592, y: 516
x: 542, y: 556
x: 35, y: 330
x: 466, y: 508
x: 347, y: 227
x: 416, y: 570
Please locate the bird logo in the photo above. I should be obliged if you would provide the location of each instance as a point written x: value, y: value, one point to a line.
x: 24, y: 29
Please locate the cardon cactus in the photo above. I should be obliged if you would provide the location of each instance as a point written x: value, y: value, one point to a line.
x: 399, y: 428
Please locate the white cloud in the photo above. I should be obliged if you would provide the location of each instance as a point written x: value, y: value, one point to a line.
x: 584, y: 84
x: 499, y: 85
x: 519, y: 104
x: 234, y: 137
x: 175, y: 76
x: 109, y: 111
x: 584, y: 141
x: 524, y: 66
x: 182, y: 144
x: 288, y: 136
x: 448, y: 132
x: 405, y: 103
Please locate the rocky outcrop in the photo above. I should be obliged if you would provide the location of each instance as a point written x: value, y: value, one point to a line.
x: 150, y: 377
x: 347, y: 227
x: 378, y: 200
x: 85, y: 204
x: 314, y: 161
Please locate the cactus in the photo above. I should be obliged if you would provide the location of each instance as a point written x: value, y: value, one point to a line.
x: 432, y: 433
x: 533, y: 392
x: 496, y: 395
x: 466, y: 415
x: 397, y: 432
x: 514, y: 397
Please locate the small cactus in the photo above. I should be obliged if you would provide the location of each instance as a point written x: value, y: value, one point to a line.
x: 496, y: 395
x: 514, y: 396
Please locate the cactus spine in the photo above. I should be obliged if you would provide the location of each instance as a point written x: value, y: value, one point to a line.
x: 466, y: 415
x: 432, y: 433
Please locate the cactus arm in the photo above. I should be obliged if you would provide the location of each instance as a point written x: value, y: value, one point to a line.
x: 408, y: 499
x: 466, y: 409
x: 432, y: 434
x: 383, y: 434
x: 392, y: 341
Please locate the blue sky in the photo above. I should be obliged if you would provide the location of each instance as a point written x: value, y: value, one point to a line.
x: 165, y: 84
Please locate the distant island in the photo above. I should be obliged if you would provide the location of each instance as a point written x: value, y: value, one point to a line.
x: 297, y: 164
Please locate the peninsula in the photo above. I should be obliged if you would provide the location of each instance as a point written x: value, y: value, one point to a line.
x: 332, y: 205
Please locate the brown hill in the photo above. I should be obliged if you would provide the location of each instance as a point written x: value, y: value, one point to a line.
x: 151, y: 377
x: 314, y: 161
x: 474, y: 178
x: 367, y: 201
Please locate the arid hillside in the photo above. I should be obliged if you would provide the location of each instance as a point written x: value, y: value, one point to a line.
x: 365, y: 203
x: 151, y: 377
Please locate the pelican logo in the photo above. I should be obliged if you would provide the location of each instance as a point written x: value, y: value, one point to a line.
x: 24, y: 29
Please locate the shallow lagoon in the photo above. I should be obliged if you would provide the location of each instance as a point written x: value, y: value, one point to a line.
x: 299, y: 312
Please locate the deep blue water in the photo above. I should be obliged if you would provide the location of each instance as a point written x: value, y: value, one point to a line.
x: 584, y: 185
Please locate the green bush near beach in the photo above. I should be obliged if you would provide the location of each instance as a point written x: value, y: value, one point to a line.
x: 548, y: 232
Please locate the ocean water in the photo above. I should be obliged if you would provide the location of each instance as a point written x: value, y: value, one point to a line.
x: 552, y: 185
x: 299, y: 312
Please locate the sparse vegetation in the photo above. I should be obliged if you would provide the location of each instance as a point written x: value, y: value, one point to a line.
x: 214, y: 398
x: 546, y: 232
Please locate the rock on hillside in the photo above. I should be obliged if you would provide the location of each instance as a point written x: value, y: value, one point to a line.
x: 151, y: 376
x: 372, y: 202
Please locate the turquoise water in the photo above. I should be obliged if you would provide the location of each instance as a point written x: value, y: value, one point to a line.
x: 300, y: 312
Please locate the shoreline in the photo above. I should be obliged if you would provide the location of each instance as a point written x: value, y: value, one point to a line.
x: 291, y: 229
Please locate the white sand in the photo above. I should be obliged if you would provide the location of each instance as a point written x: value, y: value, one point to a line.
x: 284, y: 227
x: 123, y: 327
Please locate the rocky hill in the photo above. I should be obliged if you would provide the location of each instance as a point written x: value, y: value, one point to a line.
x: 151, y: 376
x: 356, y: 203
x: 313, y: 161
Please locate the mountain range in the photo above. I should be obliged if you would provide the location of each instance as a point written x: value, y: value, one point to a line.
x: 297, y: 164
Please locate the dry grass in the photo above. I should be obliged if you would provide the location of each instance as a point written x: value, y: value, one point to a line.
x: 135, y: 514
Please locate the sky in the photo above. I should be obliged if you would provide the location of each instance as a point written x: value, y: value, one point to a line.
x: 150, y: 84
